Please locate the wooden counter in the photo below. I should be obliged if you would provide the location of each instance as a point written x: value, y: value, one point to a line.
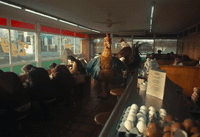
x: 172, y: 103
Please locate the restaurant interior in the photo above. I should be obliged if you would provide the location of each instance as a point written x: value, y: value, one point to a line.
x: 106, y: 68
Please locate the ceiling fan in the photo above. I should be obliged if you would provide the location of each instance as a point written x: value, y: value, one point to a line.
x: 109, y: 22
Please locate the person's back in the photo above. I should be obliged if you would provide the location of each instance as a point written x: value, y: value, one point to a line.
x: 12, y: 93
x: 63, y: 77
x: 63, y: 82
x: 40, y: 84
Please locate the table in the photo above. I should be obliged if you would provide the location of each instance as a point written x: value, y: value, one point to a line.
x: 171, y: 102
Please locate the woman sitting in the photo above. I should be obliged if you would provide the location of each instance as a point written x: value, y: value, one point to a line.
x: 178, y: 61
x: 77, y: 67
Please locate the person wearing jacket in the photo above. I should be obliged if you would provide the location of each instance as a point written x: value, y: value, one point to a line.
x: 63, y: 82
x: 39, y: 87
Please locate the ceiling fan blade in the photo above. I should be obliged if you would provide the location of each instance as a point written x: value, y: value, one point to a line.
x: 100, y: 22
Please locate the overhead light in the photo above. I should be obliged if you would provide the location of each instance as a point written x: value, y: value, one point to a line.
x: 84, y: 28
x: 152, y: 10
x: 150, y: 30
x: 11, y: 5
x: 68, y: 23
x: 150, y: 22
x: 96, y: 31
x: 31, y: 11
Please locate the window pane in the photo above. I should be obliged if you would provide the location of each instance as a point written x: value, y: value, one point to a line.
x: 22, y: 46
x: 165, y: 45
x: 67, y: 42
x: 50, y: 46
x: 146, y: 48
x: 4, y: 47
x: 77, y: 46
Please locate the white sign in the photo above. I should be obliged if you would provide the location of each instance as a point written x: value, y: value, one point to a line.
x: 156, y: 83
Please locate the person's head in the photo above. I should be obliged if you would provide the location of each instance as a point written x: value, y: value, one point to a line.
x: 159, y: 51
x: 122, y: 40
x: 26, y: 68
x: 171, y: 53
x: 178, y: 60
x: 1, y: 71
x: 71, y: 59
x: 52, y: 66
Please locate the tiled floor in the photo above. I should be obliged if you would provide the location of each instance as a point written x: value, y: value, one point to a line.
x: 72, y: 121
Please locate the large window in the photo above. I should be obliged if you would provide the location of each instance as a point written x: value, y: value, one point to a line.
x: 22, y: 46
x: 67, y: 42
x: 146, y: 48
x: 165, y: 45
x: 4, y: 47
x: 50, y: 46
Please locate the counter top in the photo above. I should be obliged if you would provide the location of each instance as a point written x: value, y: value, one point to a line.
x: 171, y: 102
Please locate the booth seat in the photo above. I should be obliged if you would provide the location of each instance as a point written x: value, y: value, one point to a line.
x: 170, y: 62
x: 185, y: 76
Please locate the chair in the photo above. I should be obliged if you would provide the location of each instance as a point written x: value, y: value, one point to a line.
x: 101, y: 118
x: 117, y: 92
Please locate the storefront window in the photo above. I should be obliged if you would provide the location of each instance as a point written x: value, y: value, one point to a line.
x: 146, y: 48
x: 77, y: 45
x: 22, y: 46
x: 165, y: 45
x: 50, y: 46
x: 4, y: 47
x: 67, y: 42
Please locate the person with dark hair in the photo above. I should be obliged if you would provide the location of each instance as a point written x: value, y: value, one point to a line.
x: 159, y: 52
x: 63, y: 82
x: 39, y: 87
x: 77, y: 66
x: 26, y: 68
x: 178, y: 61
x: 14, y: 101
x: 13, y: 97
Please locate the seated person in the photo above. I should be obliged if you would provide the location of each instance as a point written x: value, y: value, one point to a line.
x: 39, y: 87
x: 77, y: 66
x: 63, y: 82
x: 38, y: 83
x: 159, y: 52
x: 13, y: 98
x: 178, y: 61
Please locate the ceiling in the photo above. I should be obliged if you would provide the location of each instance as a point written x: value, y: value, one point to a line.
x: 170, y: 16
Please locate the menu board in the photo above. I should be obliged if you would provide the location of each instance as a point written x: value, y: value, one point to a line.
x: 156, y: 83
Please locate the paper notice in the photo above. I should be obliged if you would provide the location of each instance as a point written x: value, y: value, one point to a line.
x: 156, y: 83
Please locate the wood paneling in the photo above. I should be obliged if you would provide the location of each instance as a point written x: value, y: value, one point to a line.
x: 190, y: 46
x: 186, y: 77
